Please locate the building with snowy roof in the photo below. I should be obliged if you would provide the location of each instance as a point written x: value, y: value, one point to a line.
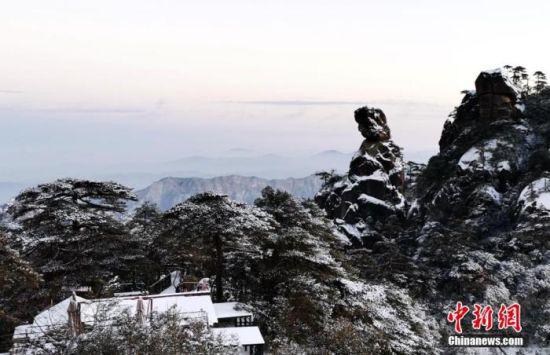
x: 229, y: 320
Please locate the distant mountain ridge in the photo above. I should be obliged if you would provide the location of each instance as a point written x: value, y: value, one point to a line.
x: 237, y: 161
x: 169, y: 191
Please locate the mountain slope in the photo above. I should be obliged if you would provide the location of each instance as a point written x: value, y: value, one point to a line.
x: 169, y: 191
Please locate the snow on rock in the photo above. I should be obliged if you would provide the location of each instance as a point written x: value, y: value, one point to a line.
x: 463, y: 239
x: 536, y: 195
x: 372, y: 123
x: 499, y: 74
x: 352, y: 230
x: 493, y: 156
x: 373, y: 200
x: 503, y: 165
x: 370, y: 192
x: 478, y: 157
x: 491, y: 192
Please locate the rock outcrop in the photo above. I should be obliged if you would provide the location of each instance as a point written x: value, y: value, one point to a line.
x: 477, y: 217
x: 485, y: 229
x: 370, y: 192
x: 497, y: 95
x: 484, y: 148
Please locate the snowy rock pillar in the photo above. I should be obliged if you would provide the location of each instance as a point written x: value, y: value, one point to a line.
x: 370, y: 192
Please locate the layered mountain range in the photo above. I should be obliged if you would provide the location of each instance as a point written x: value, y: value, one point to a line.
x: 167, y: 192
x: 473, y: 226
x: 226, y: 173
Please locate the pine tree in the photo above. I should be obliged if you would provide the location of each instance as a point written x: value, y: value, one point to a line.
x: 72, y: 231
x: 517, y: 73
x: 17, y: 281
x: 211, y: 234
x: 328, y: 178
x: 15, y: 272
x: 540, y: 81
x: 525, y: 84
x: 300, y: 262
x: 145, y: 227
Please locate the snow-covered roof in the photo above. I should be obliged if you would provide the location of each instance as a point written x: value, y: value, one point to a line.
x: 56, y: 314
x: 230, y: 310
x: 244, y: 335
x: 191, y: 304
x: 186, y: 304
x: 53, y: 316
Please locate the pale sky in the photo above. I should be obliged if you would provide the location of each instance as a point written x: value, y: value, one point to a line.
x: 113, y: 81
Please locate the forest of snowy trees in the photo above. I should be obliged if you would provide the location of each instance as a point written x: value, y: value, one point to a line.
x: 279, y: 255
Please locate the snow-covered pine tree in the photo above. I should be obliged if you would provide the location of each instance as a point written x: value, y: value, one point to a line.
x: 145, y: 226
x: 72, y: 232
x: 298, y: 270
x: 517, y: 73
x: 540, y: 81
x: 303, y: 236
x: 210, y: 233
x: 310, y: 300
x: 17, y: 281
x: 508, y: 69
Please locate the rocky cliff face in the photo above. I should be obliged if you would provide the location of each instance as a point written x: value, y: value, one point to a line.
x: 477, y: 234
x: 475, y: 225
